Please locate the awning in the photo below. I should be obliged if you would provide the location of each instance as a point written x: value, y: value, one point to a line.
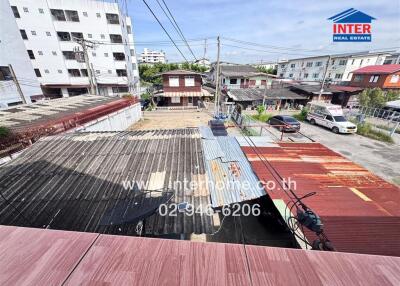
x: 201, y: 93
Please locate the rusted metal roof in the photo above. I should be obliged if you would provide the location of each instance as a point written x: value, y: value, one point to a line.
x: 231, y: 178
x: 50, y: 257
x: 360, y: 210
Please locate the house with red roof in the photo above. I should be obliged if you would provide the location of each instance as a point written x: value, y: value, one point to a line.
x: 382, y: 76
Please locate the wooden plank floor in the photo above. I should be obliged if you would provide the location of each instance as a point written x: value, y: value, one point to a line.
x: 31, y: 256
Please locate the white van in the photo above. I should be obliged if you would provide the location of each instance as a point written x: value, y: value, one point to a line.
x: 330, y: 116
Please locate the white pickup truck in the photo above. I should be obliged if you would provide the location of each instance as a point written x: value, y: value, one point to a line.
x: 330, y: 116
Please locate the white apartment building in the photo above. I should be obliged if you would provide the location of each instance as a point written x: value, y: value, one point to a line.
x: 13, y: 52
x: 48, y: 29
x: 340, y: 66
x: 152, y: 57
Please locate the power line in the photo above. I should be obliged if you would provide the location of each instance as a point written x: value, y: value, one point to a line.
x: 265, y: 51
x: 176, y: 26
x: 154, y: 15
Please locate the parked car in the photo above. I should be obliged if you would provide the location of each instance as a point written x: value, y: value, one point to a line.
x: 285, y: 123
x: 330, y: 116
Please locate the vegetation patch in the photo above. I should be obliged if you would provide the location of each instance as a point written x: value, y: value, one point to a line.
x: 302, y: 115
x: 4, y: 132
x: 367, y: 130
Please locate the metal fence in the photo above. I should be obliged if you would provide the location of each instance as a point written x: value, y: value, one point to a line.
x: 382, y: 119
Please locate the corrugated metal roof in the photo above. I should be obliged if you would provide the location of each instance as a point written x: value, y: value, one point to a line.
x: 49, y: 257
x: 360, y: 211
x: 378, y: 69
x: 231, y: 177
x: 75, y: 182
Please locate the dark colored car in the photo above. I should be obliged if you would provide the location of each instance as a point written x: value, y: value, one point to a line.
x: 285, y: 123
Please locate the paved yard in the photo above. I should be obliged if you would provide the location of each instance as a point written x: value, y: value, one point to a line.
x: 172, y: 119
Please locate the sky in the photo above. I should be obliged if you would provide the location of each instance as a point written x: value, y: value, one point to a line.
x: 294, y: 28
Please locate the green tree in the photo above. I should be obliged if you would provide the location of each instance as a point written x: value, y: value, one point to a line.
x: 260, y: 109
x: 374, y: 97
x: 268, y: 71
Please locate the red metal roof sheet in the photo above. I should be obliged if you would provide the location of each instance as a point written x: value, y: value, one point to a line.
x: 360, y: 211
x: 378, y: 69
x: 346, y: 88
x: 49, y: 257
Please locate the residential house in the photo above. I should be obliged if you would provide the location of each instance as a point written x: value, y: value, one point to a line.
x: 233, y: 76
x: 181, y: 88
x: 340, y: 66
x: 382, y: 76
x: 50, y: 30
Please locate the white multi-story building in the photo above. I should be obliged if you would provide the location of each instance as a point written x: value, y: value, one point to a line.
x: 340, y: 66
x: 152, y: 57
x: 49, y: 29
x: 13, y: 56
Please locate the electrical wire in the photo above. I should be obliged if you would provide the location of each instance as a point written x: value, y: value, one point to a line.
x: 169, y: 36
x: 176, y: 26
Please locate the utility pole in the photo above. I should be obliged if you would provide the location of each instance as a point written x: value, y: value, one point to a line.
x: 324, y: 78
x: 265, y: 89
x: 14, y: 77
x: 85, y: 44
x: 94, y: 79
x: 216, y: 111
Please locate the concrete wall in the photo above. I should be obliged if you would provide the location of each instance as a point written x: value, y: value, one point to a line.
x: 117, y: 121
x: 12, y: 51
x: 53, y: 65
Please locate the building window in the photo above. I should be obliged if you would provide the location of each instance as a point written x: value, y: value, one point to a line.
x: 121, y: 72
x: 98, y: 15
x: 15, y: 11
x: 395, y: 78
x: 31, y: 55
x: 358, y: 78
x: 309, y: 64
x: 69, y: 55
x: 102, y: 36
x: 46, y: 71
x: 342, y: 62
x: 63, y: 36
x: 40, y: 53
x: 233, y: 81
x: 333, y: 62
x: 112, y: 18
x: 41, y: 11
x: 281, y: 75
x: 132, y: 52
x: 134, y: 66
x: 25, y: 9
x: 291, y: 75
x: 84, y: 14
x: 173, y: 81
x: 109, y: 71
x: 374, y: 78
x: 189, y: 80
x: 76, y: 35
x: 72, y: 15
x: 48, y: 34
x: 84, y: 72
x: 23, y: 34
x: 74, y: 73
x: 282, y: 66
x: 128, y: 29
x: 119, y: 56
x: 5, y: 73
x: 306, y: 75
x: 89, y: 36
x: 293, y: 65
x: 175, y: 99
x: 54, y: 53
x: 361, y: 62
x: 59, y: 71
x: 57, y: 14
x: 94, y: 54
x: 352, y: 62
x: 120, y: 89
x: 33, y: 33
x: 97, y: 71
x: 315, y: 75
x: 338, y: 76
x: 37, y: 72
x: 115, y: 38
x: 318, y: 64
